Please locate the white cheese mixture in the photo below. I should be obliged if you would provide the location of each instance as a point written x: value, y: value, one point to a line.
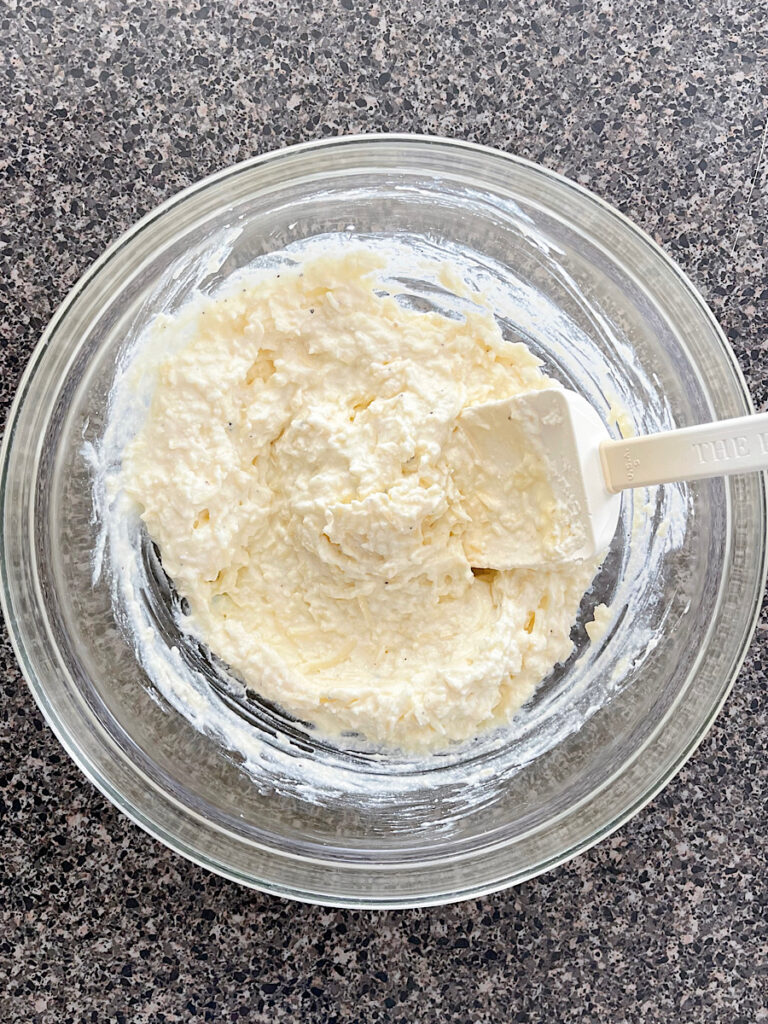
x: 302, y: 473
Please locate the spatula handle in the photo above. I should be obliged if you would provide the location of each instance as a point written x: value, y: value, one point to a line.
x: 710, y: 449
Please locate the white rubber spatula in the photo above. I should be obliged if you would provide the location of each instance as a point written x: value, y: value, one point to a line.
x: 548, y: 473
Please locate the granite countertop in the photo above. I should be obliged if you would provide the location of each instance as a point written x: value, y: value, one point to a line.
x: 110, y: 107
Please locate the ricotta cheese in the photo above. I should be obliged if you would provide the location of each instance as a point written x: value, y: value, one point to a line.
x: 303, y: 475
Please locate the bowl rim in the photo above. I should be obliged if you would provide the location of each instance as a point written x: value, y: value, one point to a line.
x: 69, y: 741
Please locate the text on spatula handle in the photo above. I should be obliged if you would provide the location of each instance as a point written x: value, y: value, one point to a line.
x: 728, y: 448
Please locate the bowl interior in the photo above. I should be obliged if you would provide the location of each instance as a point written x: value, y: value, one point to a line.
x: 275, y: 806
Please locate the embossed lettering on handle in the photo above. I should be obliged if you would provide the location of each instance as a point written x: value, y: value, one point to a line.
x: 722, y: 450
x: 692, y: 453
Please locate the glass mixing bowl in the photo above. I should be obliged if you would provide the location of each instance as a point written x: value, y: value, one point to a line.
x: 610, y: 315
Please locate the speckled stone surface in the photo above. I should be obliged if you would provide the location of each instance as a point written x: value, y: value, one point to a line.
x: 109, y: 107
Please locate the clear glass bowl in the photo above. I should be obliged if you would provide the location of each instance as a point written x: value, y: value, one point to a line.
x: 601, y: 736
